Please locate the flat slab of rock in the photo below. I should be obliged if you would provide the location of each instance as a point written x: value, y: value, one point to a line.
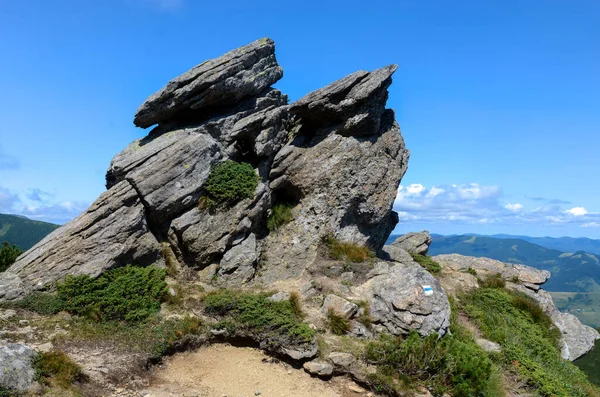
x: 342, y: 359
x: 226, y: 80
x: 16, y: 366
x: 414, y: 242
x: 397, y: 254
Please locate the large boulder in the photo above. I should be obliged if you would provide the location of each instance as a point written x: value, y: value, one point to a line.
x: 414, y: 242
x: 336, y: 156
x: 112, y: 232
x: 406, y: 297
x: 17, y: 372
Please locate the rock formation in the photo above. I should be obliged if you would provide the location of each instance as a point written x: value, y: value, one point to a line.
x: 577, y: 338
x: 336, y: 155
x: 415, y: 242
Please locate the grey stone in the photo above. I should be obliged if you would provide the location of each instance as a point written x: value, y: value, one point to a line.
x: 306, y: 351
x: 415, y: 242
x: 241, y: 73
x: 398, y: 302
x: 318, y: 368
x: 378, y: 269
x: 7, y: 314
x: 17, y: 371
x: 238, y: 264
x: 339, y: 305
x: 397, y: 254
x: 341, y: 359
x: 112, y: 232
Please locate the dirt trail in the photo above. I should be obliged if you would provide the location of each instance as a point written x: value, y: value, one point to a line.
x: 223, y: 370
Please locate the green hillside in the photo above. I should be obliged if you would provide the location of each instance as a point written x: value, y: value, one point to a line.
x: 23, y: 232
x: 571, y: 272
x: 564, y: 244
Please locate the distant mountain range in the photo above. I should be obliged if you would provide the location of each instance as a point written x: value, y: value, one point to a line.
x: 564, y: 244
x: 23, y: 232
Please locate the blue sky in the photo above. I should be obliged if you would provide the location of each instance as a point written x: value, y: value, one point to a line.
x: 498, y: 101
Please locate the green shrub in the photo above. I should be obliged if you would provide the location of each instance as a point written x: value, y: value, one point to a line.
x: 426, y: 262
x: 228, y: 183
x: 39, y: 302
x: 4, y: 392
x: 128, y: 293
x: 337, y: 323
x: 280, y: 215
x: 472, y: 271
x: 256, y: 314
x: 450, y: 364
x: 8, y: 255
x: 347, y: 251
x: 529, y: 343
x: 55, y: 368
x: 494, y: 281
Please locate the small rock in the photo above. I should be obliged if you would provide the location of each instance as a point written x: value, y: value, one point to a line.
x: 257, y: 393
x: 339, y: 305
x: 319, y: 368
x: 279, y: 297
x: 488, y: 345
x: 347, y: 276
x: 417, y: 243
x: 342, y: 359
x: 23, y: 322
x: 44, y: 347
x: 6, y: 314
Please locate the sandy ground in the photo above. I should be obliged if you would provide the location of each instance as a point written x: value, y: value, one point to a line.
x: 223, y: 370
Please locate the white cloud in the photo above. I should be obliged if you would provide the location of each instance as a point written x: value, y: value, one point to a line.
x: 577, y: 211
x: 514, y: 207
x: 591, y: 224
x: 480, y: 204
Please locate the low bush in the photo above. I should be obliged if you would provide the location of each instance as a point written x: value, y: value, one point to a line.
x: 529, y: 341
x: 493, y: 281
x: 8, y: 255
x: 55, y: 368
x: 4, y: 392
x: 347, y: 251
x: 228, y: 183
x: 128, y: 293
x: 257, y: 315
x: 472, y: 271
x: 39, y: 302
x: 426, y: 262
x: 453, y: 364
x: 338, y: 324
x: 280, y: 215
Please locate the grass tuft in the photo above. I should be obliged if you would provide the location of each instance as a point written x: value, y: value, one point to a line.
x: 347, y: 251
x: 228, y: 183
x: 55, y: 368
x: 338, y: 324
x: 280, y: 215
x: 493, y: 281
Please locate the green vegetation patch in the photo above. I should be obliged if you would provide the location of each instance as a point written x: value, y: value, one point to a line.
x: 347, y: 251
x: 8, y: 255
x: 228, y: 183
x: 590, y: 364
x: 127, y: 293
x: 39, y: 302
x: 153, y: 337
x: 280, y: 215
x: 55, y: 368
x: 426, y: 262
x: 452, y: 364
x: 255, y: 314
x: 529, y: 341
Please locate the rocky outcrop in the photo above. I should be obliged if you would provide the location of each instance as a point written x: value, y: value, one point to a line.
x: 16, y: 366
x: 404, y: 297
x: 577, y: 338
x: 336, y: 156
x: 414, y: 242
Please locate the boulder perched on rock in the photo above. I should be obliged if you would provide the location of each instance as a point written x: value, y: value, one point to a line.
x: 406, y: 297
x: 335, y: 157
x: 414, y: 242
x: 577, y: 338
x: 16, y: 366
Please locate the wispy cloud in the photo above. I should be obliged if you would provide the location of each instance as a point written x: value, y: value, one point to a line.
x: 480, y: 204
x: 549, y: 201
x: 37, y: 204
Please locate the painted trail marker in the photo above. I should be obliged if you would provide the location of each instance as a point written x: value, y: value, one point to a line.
x: 428, y: 290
